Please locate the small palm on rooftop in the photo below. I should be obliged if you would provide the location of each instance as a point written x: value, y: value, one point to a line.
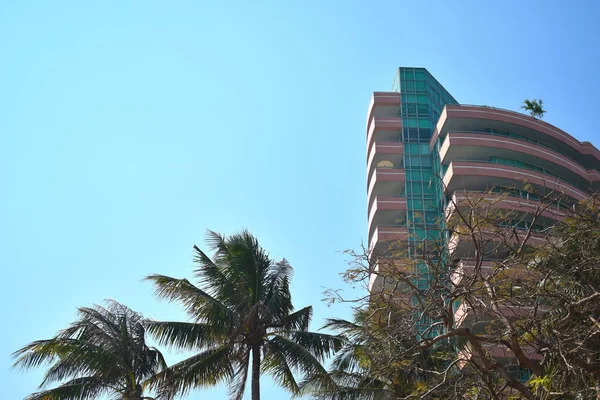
x: 243, y: 322
x: 102, y: 353
x: 534, y: 107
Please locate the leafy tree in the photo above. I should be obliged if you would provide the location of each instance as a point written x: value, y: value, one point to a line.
x: 382, y: 359
x: 242, y: 321
x: 102, y: 352
x: 568, y: 335
x: 534, y: 107
x: 507, y: 308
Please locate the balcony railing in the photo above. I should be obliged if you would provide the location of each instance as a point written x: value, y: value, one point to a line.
x: 506, y: 193
x: 523, y: 166
x: 490, y: 107
x: 511, y: 135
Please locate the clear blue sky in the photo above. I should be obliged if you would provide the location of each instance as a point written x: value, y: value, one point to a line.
x: 127, y: 128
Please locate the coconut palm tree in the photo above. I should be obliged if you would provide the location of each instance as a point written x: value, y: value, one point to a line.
x: 102, y: 353
x: 534, y: 107
x: 242, y: 322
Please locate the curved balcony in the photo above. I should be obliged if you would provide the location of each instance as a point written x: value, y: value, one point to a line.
x: 497, y: 352
x: 385, y: 181
x: 492, y: 243
x: 481, y: 176
x: 381, y: 280
x: 482, y: 145
x: 384, y: 129
x: 377, y: 283
x: 469, y: 267
x: 382, y: 246
x: 464, y: 201
x: 387, y: 210
x: 478, y: 318
x: 383, y: 104
x: 479, y: 118
x: 385, y: 151
x: 384, y: 234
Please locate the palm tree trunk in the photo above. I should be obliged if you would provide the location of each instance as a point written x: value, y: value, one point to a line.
x: 255, y: 372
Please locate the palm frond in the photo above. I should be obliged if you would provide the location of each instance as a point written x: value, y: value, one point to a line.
x: 297, y: 355
x: 207, y: 368
x: 237, y: 385
x: 297, y: 321
x: 86, y: 359
x: 339, y: 324
x: 320, y: 345
x: 276, y: 364
x: 216, y: 279
x: 184, y: 335
x: 159, y: 359
x: 346, y: 358
x: 277, y: 297
x: 215, y: 241
x: 100, y: 321
x: 198, y: 304
x: 348, y: 387
x: 75, y: 389
x: 248, y: 264
x: 42, y: 352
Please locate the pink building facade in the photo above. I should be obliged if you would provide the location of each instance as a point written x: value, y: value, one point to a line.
x: 427, y: 155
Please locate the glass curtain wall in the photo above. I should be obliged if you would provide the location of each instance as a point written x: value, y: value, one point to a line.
x: 422, y: 101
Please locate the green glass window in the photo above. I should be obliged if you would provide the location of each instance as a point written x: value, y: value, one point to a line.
x: 417, y: 160
x: 416, y: 204
x: 424, y: 123
x: 425, y: 159
x: 416, y: 187
x: 417, y: 148
x: 427, y: 188
x: 425, y: 134
x: 431, y: 217
x: 420, y: 234
x: 411, y: 135
x: 411, y: 109
x: 430, y: 204
x: 417, y: 217
x: 413, y: 175
x: 412, y: 122
x: 423, y: 109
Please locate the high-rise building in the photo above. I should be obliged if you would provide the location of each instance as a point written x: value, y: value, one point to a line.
x: 418, y: 133
x: 426, y: 153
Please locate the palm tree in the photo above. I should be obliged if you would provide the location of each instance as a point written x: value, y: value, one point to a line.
x: 102, y: 352
x: 242, y: 321
x: 534, y: 107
